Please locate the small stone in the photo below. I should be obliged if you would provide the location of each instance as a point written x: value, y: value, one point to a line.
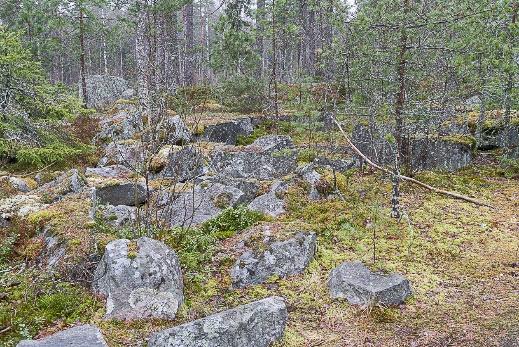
x: 258, y: 324
x: 356, y: 283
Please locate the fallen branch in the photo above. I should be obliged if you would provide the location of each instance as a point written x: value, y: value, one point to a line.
x: 409, y: 179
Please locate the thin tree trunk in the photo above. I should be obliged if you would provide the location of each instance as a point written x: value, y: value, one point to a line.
x: 189, y: 74
x: 274, y: 59
x: 260, y: 28
x: 82, y: 69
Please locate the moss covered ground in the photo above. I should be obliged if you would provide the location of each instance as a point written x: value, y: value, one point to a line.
x: 462, y: 261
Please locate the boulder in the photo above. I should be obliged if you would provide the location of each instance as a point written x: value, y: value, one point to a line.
x: 125, y: 124
x: 354, y: 282
x: 128, y: 153
x: 183, y: 163
x: 19, y: 206
x: 281, y: 258
x: 117, y: 216
x: 129, y: 194
x: 196, y: 206
x: 267, y: 158
x: 17, y: 183
x: 271, y: 203
x: 103, y: 90
x: 228, y: 132
x: 175, y: 131
x: 140, y: 279
x: 339, y: 165
x: 67, y: 183
x: 258, y: 324
x: 312, y: 178
x: 111, y: 171
x: 447, y: 153
x: 78, y: 336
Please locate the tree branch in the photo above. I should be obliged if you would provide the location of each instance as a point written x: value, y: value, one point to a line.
x: 409, y: 179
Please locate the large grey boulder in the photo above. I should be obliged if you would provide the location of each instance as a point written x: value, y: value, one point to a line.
x: 271, y: 203
x: 281, y: 258
x: 183, y: 163
x: 228, y: 132
x: 78, y: 336
x: 103, y: 90
x: 258, y: 324
x: 267, y: 158
x: 448, y: 153
x: 121, y: 193
x: 198, y: 205
x: 140, y: 279
x: 356, y: 283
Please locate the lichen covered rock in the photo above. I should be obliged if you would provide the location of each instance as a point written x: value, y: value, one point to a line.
x: 281, y: 258
x: 78, y: 336
x: 140, y: 279
x: 356, y: 283
x: 258, y: 324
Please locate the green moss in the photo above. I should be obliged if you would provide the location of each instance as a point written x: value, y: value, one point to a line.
x: 462, y: 139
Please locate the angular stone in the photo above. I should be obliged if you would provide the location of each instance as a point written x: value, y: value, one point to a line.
x: 267, y: 158
x: 111, y: 171
x: 312, y: 178
x: 200, y: 204
x: 282, y: 258
x: 271, y: 203
x: 128, y: 153
x: 176, y: 131
x: 18, y: 184
x: 228, y: 132
x: 183, y: 163
x: 140, y: 279
x: 124, y: 124
x: 258, y: 324
x: 356, y: 283
x: 19, y: 206
x: 67, y: 183
x: 129, y: 194
x: 78, y: 336
x: 118, y: 216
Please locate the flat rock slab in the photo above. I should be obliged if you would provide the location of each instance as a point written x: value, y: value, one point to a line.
x: 257, y: 324
x: 140, y: 279
x: 272, y: 202
x: 129, y: 194
x: 282, y: 258
x: 228, y: 132
x: 78, y: 336
x: 354, y: 282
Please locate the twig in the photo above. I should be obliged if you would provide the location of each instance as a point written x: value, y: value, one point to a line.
x: 409, y: 179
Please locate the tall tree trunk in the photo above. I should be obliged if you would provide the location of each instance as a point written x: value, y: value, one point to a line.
x: 260, y: 37
x: 82, y: 67
x: 511, y: 61
x: 400, y: 97
x: 141, y: 52
x: 274, y: 59
x: 189, y: 74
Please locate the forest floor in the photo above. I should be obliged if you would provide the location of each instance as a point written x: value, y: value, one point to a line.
x: 462, y: 261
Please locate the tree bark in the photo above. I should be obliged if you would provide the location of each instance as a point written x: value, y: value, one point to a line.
x: 82, y: 65
x: 189, y: 74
